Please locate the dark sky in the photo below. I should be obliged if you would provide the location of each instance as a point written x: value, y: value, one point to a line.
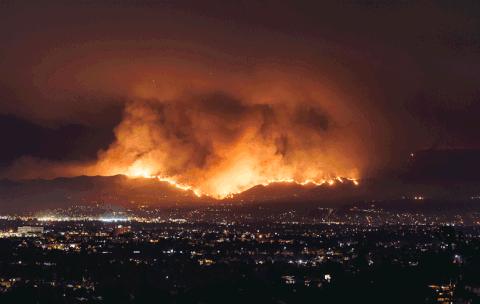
x: 393, y: 76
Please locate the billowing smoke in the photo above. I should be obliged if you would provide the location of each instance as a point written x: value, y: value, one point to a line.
x: 222, y: 133
x: 220, y: 145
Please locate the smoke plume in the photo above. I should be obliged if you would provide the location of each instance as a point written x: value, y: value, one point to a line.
x: 220, y: 144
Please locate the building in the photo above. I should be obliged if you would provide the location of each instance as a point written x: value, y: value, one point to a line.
x: 30, y: 229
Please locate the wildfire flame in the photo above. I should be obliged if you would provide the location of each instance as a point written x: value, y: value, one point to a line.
x: 222, y: 192
x: 139, y: 171
x: 221, y: 145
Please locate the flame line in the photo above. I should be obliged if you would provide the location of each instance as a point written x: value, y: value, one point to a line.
x: 199, y: 193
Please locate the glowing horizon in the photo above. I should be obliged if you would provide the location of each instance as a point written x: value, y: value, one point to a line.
x: 144, y: 172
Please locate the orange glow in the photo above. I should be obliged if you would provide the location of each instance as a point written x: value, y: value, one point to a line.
x: 228, y: 188
x: 222, y: 136
x: 180, y: 186
x: 218, y: 157
x: 137, y: 170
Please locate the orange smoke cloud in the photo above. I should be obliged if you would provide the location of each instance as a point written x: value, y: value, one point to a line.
x: 214, y: 128
x: 220, y: 144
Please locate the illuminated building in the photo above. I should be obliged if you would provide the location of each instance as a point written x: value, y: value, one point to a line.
x: 30, y: 230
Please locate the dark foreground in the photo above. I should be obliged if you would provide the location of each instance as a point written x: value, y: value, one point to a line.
x: 129, y: 262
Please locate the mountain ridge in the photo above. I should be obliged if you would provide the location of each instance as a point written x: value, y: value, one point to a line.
x: 38, y: 194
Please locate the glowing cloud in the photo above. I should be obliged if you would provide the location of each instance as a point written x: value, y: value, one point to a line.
x: 219, y: 145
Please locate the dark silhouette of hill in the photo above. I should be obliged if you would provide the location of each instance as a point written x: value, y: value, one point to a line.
x: 36, y: 195
x: 33, y: 195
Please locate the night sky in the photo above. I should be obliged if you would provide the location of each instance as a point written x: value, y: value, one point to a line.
x: 204, y: 89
